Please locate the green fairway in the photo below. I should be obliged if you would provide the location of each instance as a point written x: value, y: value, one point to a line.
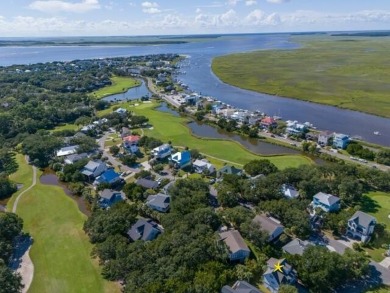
x: 61, y: 250
x: 171, y: 128
x: 346, y: 72
x: 66, y: 127
x: 119, y: 85
x: 377, y: 204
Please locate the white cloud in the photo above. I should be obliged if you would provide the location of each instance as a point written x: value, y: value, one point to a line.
x: 233, y: 2
x: 278, y: 1
x: 149, y: 4
x: 202, y: 22
x: 250, y: 2
x: 198, y: 10
x: 57, y: 6
x: 150, y: 7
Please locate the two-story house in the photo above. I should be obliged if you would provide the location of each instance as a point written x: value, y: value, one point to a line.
x: 130, y: 143
x: 327, y: 202
x: 94, y: 168
x: 278, y: 272
x: 340, y: 141
x: 361, y: 225
x: 269, y: 225
x: 162, y: 151
x: 202, y: 166
x: 238, y: 250
x: 181, y: 159
x: 324, y: 137
x: 159, y: 202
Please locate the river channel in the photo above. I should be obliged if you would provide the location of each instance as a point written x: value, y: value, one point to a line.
x: 50, y: 178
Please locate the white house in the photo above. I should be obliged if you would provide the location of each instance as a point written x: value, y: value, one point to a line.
x: 162, y: 151
x: 66, y: 151
x: 202, y: 165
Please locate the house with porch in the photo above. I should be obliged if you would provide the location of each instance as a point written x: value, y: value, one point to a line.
x: 327, y: 202
x: 273, y: 278
x: 238, y: 250
x: 361, y: 226
x: 162, y: 151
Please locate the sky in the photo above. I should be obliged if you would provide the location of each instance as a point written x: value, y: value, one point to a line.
x: 46, y: 18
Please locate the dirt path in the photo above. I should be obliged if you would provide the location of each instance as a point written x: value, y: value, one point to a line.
x: 26, y: 268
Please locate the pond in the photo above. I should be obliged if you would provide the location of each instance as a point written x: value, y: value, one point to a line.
x: 50, y: 178
x: 164, y: 108
x: 133, y: 93
x: 253, y: 144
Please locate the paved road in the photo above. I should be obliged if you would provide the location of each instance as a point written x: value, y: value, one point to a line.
x: 34, y: 182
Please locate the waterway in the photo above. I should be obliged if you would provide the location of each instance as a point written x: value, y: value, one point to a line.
x: 198, y: 76
x: 50, y: 178
x: 131, y: 94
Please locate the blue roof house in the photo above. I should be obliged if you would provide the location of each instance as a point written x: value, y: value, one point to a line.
x: 340, y: 140
x: 109, y: 176
x: 181, y: 159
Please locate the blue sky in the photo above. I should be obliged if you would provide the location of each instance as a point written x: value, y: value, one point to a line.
x: 134, y: 17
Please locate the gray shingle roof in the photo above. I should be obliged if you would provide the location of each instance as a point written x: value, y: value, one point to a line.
x: 159, y: 200
x: 108, y: 193
x: 267, y: 224
x: 240, y: 287
x: 143, y: 229
x: 234, y: 241
x: 296, y: 246
x: 148, y: 184
x: 327, y: 199
x: 362, y: 219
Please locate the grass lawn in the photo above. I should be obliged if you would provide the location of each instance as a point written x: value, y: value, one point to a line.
x: 381, y: 289
x: 171, y: 128
x: 119, y: 85
x: 347, y: 72
x: 61, y: 250
x: 113, y: 139
x: 66, y: 127
x: 377, y: 204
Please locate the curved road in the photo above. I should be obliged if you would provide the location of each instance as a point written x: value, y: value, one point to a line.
x: 26, y: 269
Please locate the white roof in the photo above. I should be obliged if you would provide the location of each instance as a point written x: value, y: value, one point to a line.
x: 70, y: 150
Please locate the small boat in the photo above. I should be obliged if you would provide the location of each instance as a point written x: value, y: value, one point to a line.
x: 377, y: 133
